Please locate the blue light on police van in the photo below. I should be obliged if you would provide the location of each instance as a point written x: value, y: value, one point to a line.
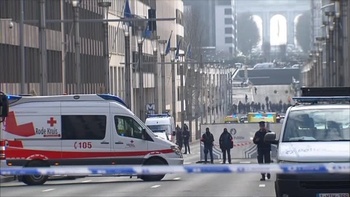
x: 13, y: 97
x: 113, y: 98
x: 157, y: 115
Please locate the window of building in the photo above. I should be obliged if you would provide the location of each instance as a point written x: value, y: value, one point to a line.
x: 228, y: 40
x: 127, y: 127
x: 228, y: 11
x: 83, y: 127
x: 228, y: 21
x: 179, y: 17
x: 228, y: 30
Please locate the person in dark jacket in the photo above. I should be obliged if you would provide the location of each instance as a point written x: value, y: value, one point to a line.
x: 264, y: 149
x: 208, y: 141
x: 186, y: 139
x: 226, y: 143
x: 179, y: 139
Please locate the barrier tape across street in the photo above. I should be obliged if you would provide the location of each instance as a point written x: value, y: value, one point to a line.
x: 206, y: 168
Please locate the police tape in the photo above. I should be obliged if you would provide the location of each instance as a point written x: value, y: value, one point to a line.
x: 161, y: 169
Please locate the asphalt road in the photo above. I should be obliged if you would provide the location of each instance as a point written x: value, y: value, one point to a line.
x: 282, y: 93
x: 173, y: 185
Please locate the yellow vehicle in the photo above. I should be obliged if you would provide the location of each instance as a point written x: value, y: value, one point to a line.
x: 231, y: 119
x: 262, y: 116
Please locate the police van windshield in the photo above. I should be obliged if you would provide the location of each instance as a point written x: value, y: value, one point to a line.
x: 158, y: 128
x: 318, y: 125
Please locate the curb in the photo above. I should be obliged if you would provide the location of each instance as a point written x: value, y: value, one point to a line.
x: 5, y: 179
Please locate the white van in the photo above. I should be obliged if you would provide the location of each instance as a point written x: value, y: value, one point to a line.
x: 315, y: 130
x: 79, y: 130
x: 162, y: 125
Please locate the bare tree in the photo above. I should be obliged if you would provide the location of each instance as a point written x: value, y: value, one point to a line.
x: 194, y: 28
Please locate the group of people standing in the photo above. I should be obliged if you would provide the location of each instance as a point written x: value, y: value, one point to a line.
x: 183, y: 138
x: 225, y: 141
x: 226, y: 144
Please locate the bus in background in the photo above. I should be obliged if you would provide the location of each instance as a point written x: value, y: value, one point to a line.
x: 254, y: 117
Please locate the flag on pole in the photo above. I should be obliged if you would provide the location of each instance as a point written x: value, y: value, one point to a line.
x: 178, y: 49
x: 167, y: 49
x: 127, y: 10
x: 188, y: 51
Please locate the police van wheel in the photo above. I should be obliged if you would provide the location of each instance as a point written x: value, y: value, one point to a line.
x: 35, y: 179
x: 156, y: 177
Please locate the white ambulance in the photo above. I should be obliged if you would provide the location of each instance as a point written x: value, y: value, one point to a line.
x: 96, y: 129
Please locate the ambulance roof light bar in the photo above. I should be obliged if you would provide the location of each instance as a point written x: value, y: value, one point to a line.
x: 324, y: 91
x: 315, y: 100
x: 82, y: 97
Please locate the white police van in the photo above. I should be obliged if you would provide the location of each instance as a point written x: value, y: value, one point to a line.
x: 72, y: 130
x: 162, y: 125
x: 316, y: 130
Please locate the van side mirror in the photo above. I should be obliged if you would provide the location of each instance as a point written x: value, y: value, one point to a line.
x: 4, y: 106
x: 145, y: 135
x: 270, y: 138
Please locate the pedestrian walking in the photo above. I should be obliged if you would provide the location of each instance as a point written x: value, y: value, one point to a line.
x: 186, y: 139
x: 264, y: 149
x: 226, y: 144
x: 256, y: 90
x: 179, y: 139
x: 208, y: 141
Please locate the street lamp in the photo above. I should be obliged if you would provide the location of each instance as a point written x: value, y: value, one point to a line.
x: 182, y: 97
x: 142, y: 106
x: 162, y: 71
x: 156, y: 84
x: 173, y: 90
x: 105, y: 5
x: 43, y: 49
x: 128, y: 86
x: 76, y: 5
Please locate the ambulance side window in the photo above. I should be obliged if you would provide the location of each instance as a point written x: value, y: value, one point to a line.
x: 83, y: 127
x: 127, y: 127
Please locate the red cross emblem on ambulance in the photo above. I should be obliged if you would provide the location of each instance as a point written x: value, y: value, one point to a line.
x: 51, y: 121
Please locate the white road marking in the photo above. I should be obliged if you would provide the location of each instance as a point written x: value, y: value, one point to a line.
x: 48, y: 190
x: 177, y: 178
x: 86, y: 181
x: 155, y: 186
x: 261, y: 185
x: 186, y: 163
x: 245, y: 162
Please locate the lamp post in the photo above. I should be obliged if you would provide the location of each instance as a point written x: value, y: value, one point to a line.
x: 162, y: 71
x: 76, y: 4
x: 182, y: 97
x: 105, y: 5
x: 201, y: 73
x: 173, y: 88
x: 156, y: 84
x: 141, y: 90
x: 330, y: 28
x: 42, y: 49
x: 21, y: 43
x: 128, y: 86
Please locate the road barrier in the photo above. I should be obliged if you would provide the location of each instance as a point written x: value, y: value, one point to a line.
x: 205, y: 168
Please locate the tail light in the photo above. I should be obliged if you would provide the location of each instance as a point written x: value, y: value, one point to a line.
x: 2, y: 150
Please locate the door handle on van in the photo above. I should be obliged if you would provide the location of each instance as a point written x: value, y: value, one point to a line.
x: 119, y: 142
x: 104, y: 142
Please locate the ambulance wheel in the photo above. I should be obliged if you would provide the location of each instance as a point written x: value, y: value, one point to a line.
x: 35, y: 179
x: 156, y: 177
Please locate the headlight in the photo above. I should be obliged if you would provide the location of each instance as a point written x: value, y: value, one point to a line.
x: 176, y: 150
